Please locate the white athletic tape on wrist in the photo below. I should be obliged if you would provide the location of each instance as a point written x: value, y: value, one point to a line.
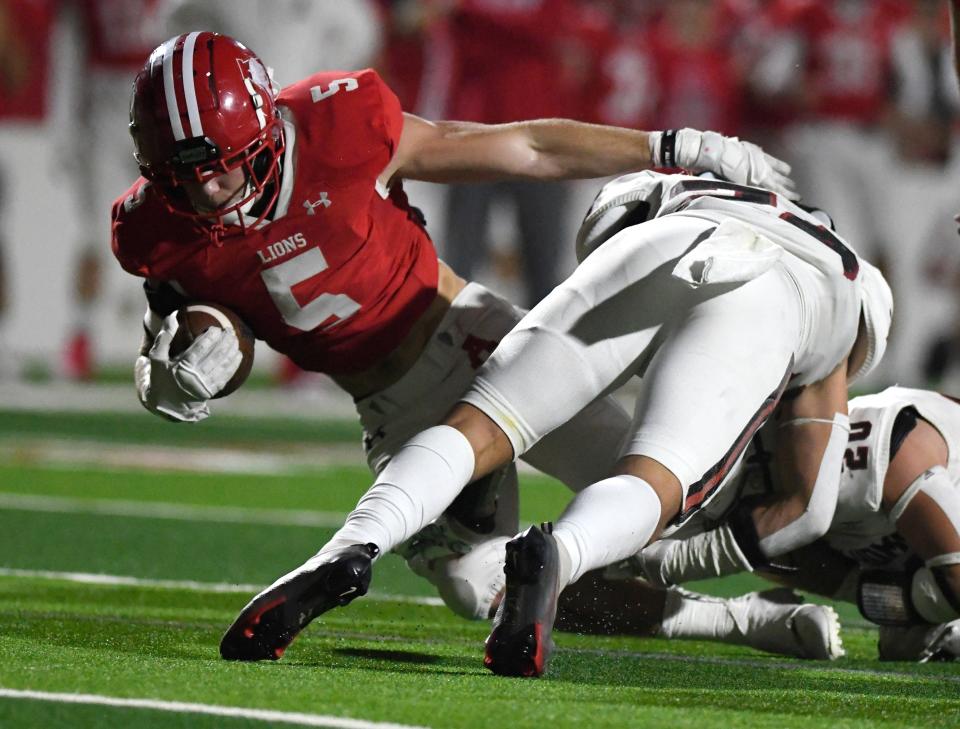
x: 656, y: 140
x: 814, y: 522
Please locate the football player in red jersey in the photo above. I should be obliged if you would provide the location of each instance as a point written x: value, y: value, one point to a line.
x: 289, y: 209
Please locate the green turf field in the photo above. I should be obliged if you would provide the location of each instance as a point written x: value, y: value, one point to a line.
x: 183, y: 539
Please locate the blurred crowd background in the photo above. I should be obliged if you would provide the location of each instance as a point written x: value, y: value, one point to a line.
x: 859, y: 96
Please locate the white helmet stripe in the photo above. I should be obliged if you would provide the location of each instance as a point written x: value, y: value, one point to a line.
x: 170, y: 90
x: 189, y: 88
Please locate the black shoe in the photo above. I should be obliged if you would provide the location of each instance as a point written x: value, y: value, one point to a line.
x: 521, y: 641
x: 270, y: 622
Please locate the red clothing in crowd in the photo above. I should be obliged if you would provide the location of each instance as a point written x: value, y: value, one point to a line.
x: 25, y: 30
x: 847, y: 48
x: 510, y: 60
x: 120, y: 34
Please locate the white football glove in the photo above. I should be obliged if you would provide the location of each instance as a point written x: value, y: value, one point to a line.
x: 737, y: 161
x: 179, y: 388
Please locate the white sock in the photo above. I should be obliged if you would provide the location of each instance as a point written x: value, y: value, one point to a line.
x: 605, y: 523
x: 689, y: 615
x: 419, y: 483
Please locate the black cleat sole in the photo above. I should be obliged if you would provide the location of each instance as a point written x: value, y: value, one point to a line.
x: 271, y: 621
x: 521, y: 641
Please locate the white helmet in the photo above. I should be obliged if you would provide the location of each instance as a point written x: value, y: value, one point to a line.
x: 876, y: 303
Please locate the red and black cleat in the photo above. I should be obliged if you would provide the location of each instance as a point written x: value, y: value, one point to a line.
x: 521, y: 641
x: 270, y: 622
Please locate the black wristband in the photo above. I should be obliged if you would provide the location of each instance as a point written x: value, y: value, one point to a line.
x: 668, y: 148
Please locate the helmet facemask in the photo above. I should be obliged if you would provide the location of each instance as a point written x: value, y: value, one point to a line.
x: 224, y: 96
x: 260, y: 162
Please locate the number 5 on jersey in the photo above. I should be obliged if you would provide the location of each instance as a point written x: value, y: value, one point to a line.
x: 347, y: 84
x: 280, y: 281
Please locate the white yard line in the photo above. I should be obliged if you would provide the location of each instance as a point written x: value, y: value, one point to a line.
x: 296, y: 402
x: 73, y: 452
x: 70, y: 452
x: 179, y: 707
x: 89, y: 578
x: 161, y: 510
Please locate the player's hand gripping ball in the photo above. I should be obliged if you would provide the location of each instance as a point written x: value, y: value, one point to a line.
x: 194, y: 319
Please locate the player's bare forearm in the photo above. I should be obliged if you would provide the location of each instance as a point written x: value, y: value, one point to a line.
x: 544, y: 149
x: 810, y: 445
x: 565, y: 149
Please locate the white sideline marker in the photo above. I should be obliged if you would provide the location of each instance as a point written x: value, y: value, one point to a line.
x: 89, y: 578
x: 179, y: 707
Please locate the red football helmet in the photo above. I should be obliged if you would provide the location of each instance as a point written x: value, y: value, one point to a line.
x: 203, y: 105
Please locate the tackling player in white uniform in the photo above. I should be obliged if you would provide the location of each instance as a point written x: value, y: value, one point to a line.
x: 898, y: 522
x: 761, y: 297
x: 893, y: 547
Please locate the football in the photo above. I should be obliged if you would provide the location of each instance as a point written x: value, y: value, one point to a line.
x: 195, y: 319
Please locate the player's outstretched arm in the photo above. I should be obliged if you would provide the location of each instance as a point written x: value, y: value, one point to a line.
x: 558, y: 149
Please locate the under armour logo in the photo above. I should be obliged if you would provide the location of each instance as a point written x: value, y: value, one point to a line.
x: 311, y: 206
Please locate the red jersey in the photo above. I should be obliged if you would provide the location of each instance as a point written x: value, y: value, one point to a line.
x: 343, y: 271
x: 848, y: 52
x: 25, y: 30
x: 120, y: 34
x: 700, y: 83
x: 509, y: 64
x: 623, y: 86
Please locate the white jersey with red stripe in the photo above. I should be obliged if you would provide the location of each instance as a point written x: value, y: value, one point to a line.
x: 824, y: 267
x: 861, y: 529
x: 705, y: 196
